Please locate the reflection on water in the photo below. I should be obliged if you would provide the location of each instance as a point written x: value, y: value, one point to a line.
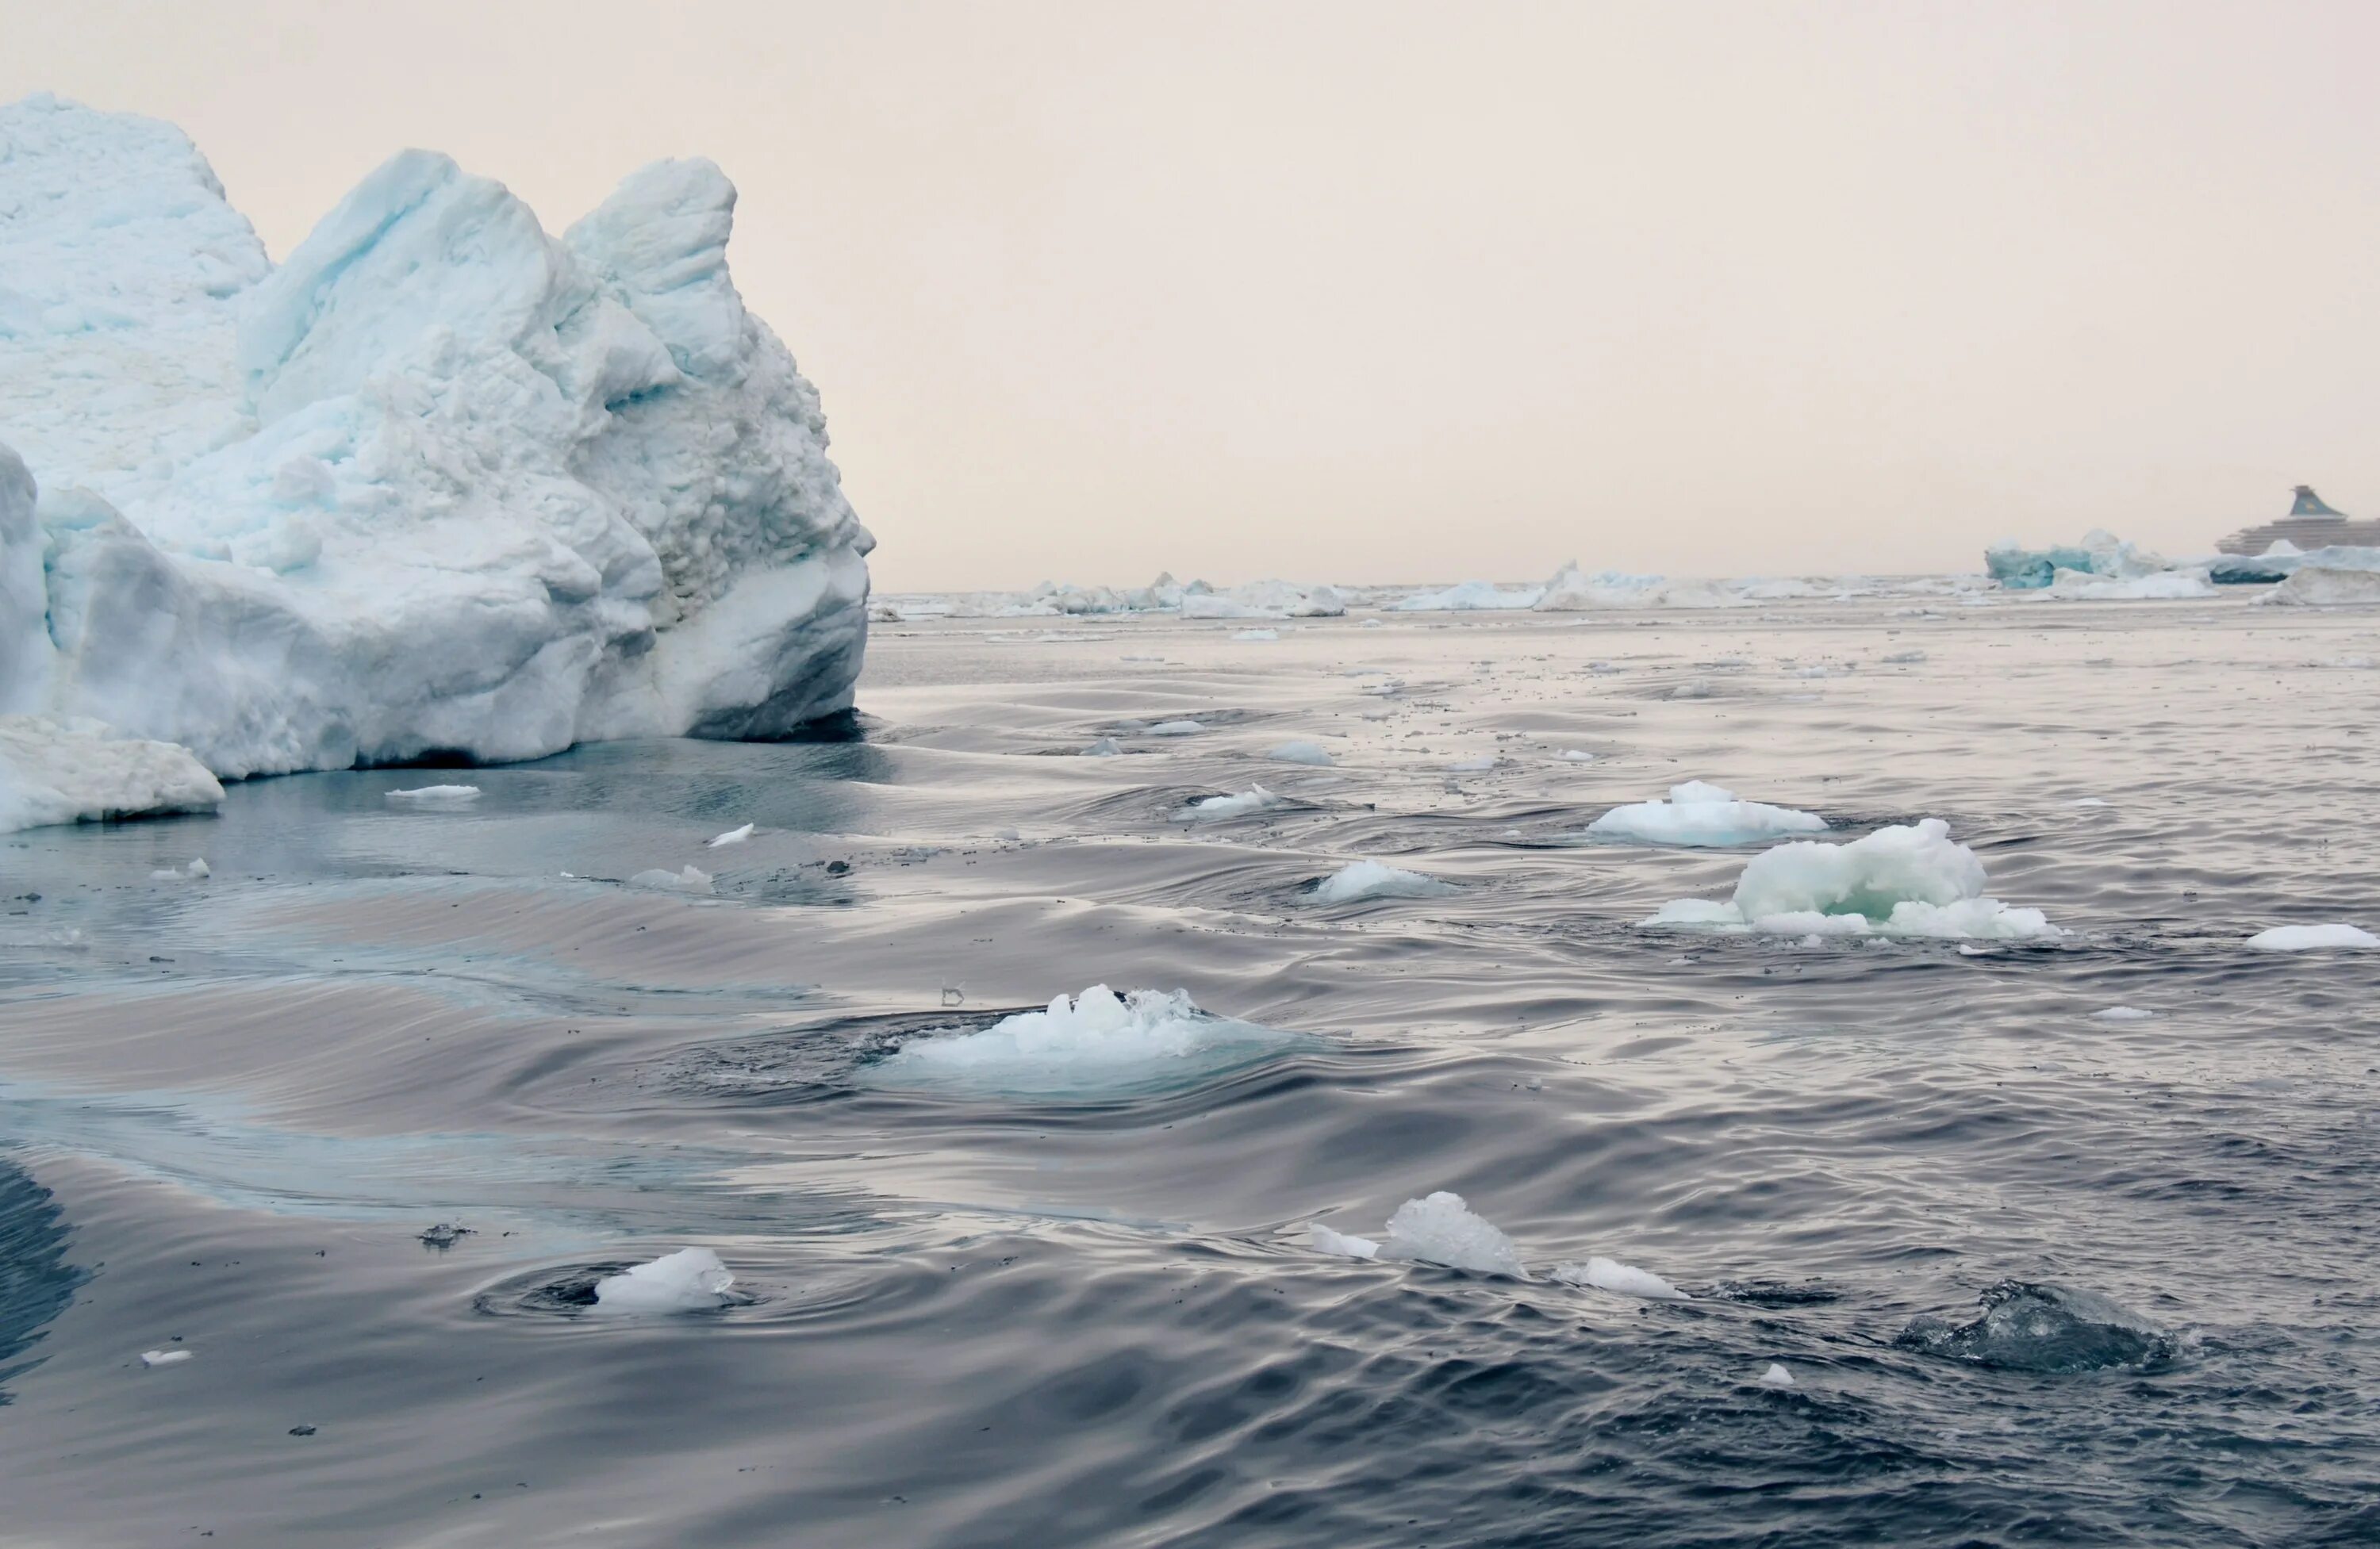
x: 2038, y: 1274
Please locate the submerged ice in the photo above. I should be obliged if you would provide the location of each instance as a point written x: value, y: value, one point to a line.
x: 440, y: 483
x: 1900, y: 881
x: 1095, y: 1044
x: 2028, y: 1327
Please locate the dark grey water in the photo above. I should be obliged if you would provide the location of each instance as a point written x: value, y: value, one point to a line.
x: 2038, y: 1276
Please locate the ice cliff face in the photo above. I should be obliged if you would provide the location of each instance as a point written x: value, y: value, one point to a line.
x: 440, y: 483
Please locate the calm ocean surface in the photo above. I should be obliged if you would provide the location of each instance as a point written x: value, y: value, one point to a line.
x: 1020, y: 1308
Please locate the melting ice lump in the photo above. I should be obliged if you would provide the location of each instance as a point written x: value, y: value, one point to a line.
x: 690, y: 1280
x: 1776, y: 1376
x: 441, y: 481
x: 1896, y: 881
x: 1096, y: 1044
x: 71, y: 770
x: 1624, y: 1278
x: 689, y: 880
x: 1700, y: 814
x: 1207, y: 809
x: 1325, y: 1241
x: 2027, y: 1328
x: 2308, y: 938
x: 1301, y: 753
x: 1440, y: 1229
x: 1361, y: 880
x: 733, y: 836
x: 436, y: 795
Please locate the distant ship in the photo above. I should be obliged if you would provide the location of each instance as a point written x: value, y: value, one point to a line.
x: 2309, y: 525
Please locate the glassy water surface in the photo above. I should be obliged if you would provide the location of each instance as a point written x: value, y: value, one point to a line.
x: 2037, y: 1274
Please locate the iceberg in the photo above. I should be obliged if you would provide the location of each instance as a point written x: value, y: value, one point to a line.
x: 1700, y: 814
x: 74, y: 770
x: 1361, y: 881
x: 2100, y: 553
x: 1900, y: 881
x: 440, y: 484
x: 690, y: 1280
x: 2341, y: 576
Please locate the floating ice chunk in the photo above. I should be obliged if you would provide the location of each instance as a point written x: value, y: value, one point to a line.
x: 2123, y: 1014
x: 1301, y: 753
x: 1477, y: 765
x: 1207, y: 809
x: 1369, y: 624
x: 1095, y: 1044
x: 1370, y: 879
x: 1692, y: 688
x: 436, y: 795
x: 1626, y: 1279
x: 1776, y: 1376
x: 2169, y: 586
x: 70, y: 770
x: 1701, y: 814
x: 733, y: 836
x: 195, y: 870
x: 1256, y: 635
x: 2341, y: 576
x: 163, y: 1357
x: 1105, y: 747
x: 1575, y: 756
x: 690, y: 1280
x: 2308, y: 938
x: 686, y: 881
x: 1898, y: 659
x: 1469, y: 596
x: 1441, y: 1230
x: 2090, y: 801
x: 1176, y: 729
x: 1325, y: 1241
x: 1896, y: 881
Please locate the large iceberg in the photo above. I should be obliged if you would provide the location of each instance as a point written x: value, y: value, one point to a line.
x: 440, y: 484
x: 2341, y: 576
x: 2100, y: 553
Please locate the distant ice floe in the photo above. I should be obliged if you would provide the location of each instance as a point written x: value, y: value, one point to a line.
x: 1314, y: 754
x: 1364, y: 880
x: 1896, y: 881
x: 70, y: 769
x: 2123, y: 1014
x: 1776, y: 1376
x: 2310, y: 938
x: 1697, y: 812
x: 1626, y: 1279
x: 436, y: 795
x: 733, y: 836
x: 1469, y: 596
x: 1266, y: 599
x: 1176, y: 729
x: 688, y: 880
x: 1256, y: 635
x: 1095, y: 1044
x: 690, y: 1280
x: 1209, y: 810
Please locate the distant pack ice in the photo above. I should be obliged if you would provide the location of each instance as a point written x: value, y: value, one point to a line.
x: 439, y: 483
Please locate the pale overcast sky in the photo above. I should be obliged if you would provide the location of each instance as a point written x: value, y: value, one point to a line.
x: 1384, y: 292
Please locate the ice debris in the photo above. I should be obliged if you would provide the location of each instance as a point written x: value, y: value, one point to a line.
x: 688, y: 880
x: 1626, y: 1279
x: 733, y: 836
x: 1207, y: 809
x: 1254, y: 635
x: 2123, y: 1014
x: 1105, y: 747
x: 1301, y: 753
x: 1325, y: 1241
x: 2308, y: 938
x: 1361, y: 880
x: 195, y: 870
x: 1900, y: 881
x: 690, y: 1280
x: 1469, y: 596
x: 1776, y: 1376
x: 163, y: 1357
x: 1697, y: 812
x: 2100, y: 553
x: 436, y: 795
x: 72, y: 769
x: 1096, y: 1045
x: 1176, y: 729
x: 1440, y: 1229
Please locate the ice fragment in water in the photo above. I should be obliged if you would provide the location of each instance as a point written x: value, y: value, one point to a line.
x: 1370, y: 879
x: 1176, y: 729
x: 1701, y: 814
x: 1210, y: 808
x: 690, y: 1280
x: 1612, y: 1276
x: 686, y: 881
x: 1256, y: 634
x: 436, y: 795
x: 2307, y: 939
x: 1776, y: 1376
x: 1092, y: 1046
x: 196, y: 869
x: 733, y: 836
x: 2027, y: 1328
x: 2122, y: 1013
x: 1325, y: 1241
x: 1105, y: 747
x: 163, y: 1357
x: 1440, y: 1229
x: 1301, y: 753
x: 1896, y: 881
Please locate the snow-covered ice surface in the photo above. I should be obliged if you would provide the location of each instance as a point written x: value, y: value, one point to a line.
x: 441, y: 483
x: 1697, y: 812
x: 1084, y: 1292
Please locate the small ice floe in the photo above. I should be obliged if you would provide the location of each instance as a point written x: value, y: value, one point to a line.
x: 1177, y: 728
x: 2123, y: 1014
x: 1438, y: 1229
x: 1898, y: 659
x: 2312, y: 939
x: 195, y: 870
x: 1256, y: 635
x: 436, y: 795
x: 1902, y: 881
x: 1692, y: 688
x: 1361, y: 880
x: 1325, y: 1241
x: 1575, y: 756
x: 1301, y: 753
x: 733, y: 836
x: 1698, y: 813
x: 690, y: 1280
x: 1095, y: 1044
x: 1623, y: 1278
x: 689, y: 880
x: 1105, y: 747
x: 1207, y: 809
x: 1776, y: 1376
x: 2090, y: 801
x: 1369, y: 624
x: 163, y: 1357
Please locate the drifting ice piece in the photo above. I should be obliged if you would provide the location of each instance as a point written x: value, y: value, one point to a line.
x: 77, y: 770
x: 1701, y: 814
x: 1896, y: 881
x: 690, y: 1280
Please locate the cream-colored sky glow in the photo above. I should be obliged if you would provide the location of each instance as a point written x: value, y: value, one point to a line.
x: 1390, y: 292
